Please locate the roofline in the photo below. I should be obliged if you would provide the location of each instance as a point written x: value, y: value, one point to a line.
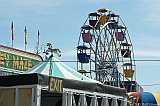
x: 14, y: 49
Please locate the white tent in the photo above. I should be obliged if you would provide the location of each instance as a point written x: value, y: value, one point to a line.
x: 56, y: 68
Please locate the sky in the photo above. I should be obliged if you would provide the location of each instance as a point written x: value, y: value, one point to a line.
x: 59, y: 23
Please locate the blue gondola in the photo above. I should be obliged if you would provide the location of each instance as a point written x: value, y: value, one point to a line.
x: 83, y: 57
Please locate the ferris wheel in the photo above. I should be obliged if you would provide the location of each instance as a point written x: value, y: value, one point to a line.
x: 105, y: 50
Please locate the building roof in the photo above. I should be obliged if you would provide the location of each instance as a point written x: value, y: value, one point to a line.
x: 43, y: 80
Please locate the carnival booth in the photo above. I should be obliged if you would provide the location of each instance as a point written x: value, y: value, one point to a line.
x: 53, y: 83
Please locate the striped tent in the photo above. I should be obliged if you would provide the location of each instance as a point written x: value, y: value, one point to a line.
x: 146, y: 98
x: 56, y: 68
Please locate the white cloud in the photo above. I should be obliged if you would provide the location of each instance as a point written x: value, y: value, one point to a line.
x: 104, y: 1
x: 151, y: 10
x: 30, y: 3
x: 147, y: 54
x: 147, y: 42
x: 69, y: 54
x: 21, y: 7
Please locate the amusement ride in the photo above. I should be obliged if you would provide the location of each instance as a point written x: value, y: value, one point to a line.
x: 105, y: 51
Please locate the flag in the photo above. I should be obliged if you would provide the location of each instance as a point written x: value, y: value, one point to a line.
x: 25, y: 35
x: 38, y: 42
x: 12, y: 28
x: 38, y: 37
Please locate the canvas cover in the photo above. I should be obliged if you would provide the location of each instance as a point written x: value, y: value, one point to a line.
x: 55, y: 68
x: 44, y: 80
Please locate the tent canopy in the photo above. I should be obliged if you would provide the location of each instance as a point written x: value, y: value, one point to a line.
x: 54, y: 67
x: 44, y: 80
x: 146, y: 98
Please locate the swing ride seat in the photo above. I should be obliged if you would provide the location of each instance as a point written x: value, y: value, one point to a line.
x: 94, y: 23
x: 83, y: 57
x: 126, y: 53
x: 113, y: 25
x: 87, y: 37
x: 120, y: 36
x: 128, y: 73
x: 93, y: 20
x: 83, y: 71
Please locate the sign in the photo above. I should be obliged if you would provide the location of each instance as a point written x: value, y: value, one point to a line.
x: 13, y: 61
x: 56, y: 85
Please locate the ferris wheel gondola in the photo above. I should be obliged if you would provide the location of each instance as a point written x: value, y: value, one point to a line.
x: 105, y: 49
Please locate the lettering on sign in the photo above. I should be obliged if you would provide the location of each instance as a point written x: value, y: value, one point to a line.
x: 17, y: 62
x: 56, y: 85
